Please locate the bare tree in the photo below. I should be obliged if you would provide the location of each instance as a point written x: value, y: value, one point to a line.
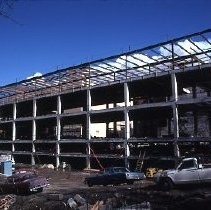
x: 6, y: 7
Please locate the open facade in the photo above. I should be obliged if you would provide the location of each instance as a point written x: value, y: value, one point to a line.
x: 152, y: 103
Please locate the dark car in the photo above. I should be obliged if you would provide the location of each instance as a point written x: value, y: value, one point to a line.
x: 25, y: 182
x: 114, y: 176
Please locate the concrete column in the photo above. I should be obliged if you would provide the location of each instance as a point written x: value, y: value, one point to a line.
x: 107, y: 123
x: 13, y: 123
x: 127, y: 123
x: 58, y: 118
x: 14, y: 129
x: 13, y: 135
x: 107, y: 129
x: 34, y: 107
x: 57, y: 142
x: 34, y: 122
x: 57, y: 155
x: 115, y: 123
x: 58, y: 128
x: 174, y: 87
x: 59, y: 110
x: 34, y: 128
x: 14, y: 111
x: 175, y: 113
x: 59, y: 105
x: 88, y: 125
x: 33, y: 139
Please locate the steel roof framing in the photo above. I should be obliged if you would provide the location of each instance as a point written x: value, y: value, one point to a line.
x: 137, y: 63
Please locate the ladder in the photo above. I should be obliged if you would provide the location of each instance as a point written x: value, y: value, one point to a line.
x: 140, y: 161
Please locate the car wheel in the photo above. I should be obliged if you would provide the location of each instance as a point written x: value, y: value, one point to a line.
x: 22, y: 191
x: 40, y: 189
x: 89, y: 184
x: 130, y: 182
x: 167, y: 184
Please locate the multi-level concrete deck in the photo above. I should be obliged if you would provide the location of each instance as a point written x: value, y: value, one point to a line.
x: 153, y: 102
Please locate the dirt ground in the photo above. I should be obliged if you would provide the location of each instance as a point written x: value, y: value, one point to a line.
x: 67, y: 182
x: 63, y: 180
x: 65, y: 185
x: 71, y: 181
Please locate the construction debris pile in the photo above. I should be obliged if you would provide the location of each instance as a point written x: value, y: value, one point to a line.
x: 6, y: 201
x: 147, y: 199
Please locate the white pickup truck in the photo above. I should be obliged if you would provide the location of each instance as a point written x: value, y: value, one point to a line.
x: 189, y: 171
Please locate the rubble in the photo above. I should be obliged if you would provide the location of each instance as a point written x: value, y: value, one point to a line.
x: 6, y: 201
x: 49, y: 166
x: 67, y: 191
x: 80, y: 200
x: 55, y: 197
x: 136, y: 199
x: 72, y: 204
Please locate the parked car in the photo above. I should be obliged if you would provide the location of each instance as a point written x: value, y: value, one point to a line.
x: 114, y: 176
x: 25, y: 182
x: 189, y: 171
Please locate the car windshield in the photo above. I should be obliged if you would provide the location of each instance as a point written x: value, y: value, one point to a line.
x: 120, y: 170
x: 188, y: 164
x: 116, y: 170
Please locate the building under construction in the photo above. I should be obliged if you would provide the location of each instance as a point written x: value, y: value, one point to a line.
x: 152, y: 104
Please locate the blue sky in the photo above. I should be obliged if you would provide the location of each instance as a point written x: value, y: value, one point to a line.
x: 53, y: 34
